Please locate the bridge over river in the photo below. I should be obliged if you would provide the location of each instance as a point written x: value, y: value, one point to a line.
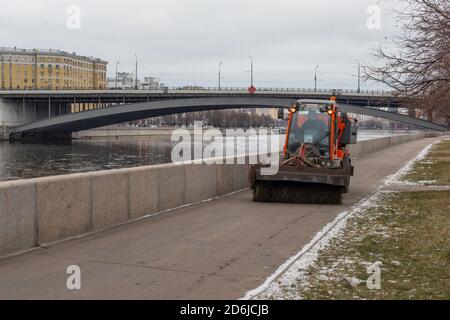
x: 115, y: 106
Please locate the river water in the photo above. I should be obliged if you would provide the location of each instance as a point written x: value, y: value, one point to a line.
x: 26, y: 160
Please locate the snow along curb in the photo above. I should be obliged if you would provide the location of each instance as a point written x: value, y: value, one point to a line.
x: 396, y: 177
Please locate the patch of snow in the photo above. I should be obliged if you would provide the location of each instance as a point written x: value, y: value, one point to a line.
x: 425, y: 182
x: 396, y: 177
x: 354, y: 282
x: 392, y: 281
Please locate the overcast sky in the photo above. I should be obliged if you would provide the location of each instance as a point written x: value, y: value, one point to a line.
x: 181, y: 41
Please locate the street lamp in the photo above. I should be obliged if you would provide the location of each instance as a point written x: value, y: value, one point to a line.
x: 115, y: 81
x: 220, y: 64
x: 359, y: 77
x: 315, y: 78
x: 251, y: 71
x: 136, y: 75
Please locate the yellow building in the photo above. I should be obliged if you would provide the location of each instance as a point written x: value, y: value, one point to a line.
x: 49, y: 70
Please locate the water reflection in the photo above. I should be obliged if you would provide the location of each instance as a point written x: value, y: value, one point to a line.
x: 20, y: 160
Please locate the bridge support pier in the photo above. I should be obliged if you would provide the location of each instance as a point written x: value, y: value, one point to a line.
x: 16, y: 113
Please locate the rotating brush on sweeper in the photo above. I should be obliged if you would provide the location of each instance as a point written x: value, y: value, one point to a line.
x: 315, y: 166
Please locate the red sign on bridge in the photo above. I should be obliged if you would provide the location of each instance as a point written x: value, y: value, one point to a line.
x: 251, y: 90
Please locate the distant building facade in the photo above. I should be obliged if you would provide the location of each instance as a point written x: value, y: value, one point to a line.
x: 127, y: 80
x: 22, y: 69
x: 151, y: 83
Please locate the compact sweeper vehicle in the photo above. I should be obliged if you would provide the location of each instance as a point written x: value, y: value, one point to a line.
x: 315, y: 166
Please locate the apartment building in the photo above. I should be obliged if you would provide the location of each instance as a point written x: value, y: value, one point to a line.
x: 22, y: 69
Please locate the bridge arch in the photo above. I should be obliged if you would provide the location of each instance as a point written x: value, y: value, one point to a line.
x: 63, y: 126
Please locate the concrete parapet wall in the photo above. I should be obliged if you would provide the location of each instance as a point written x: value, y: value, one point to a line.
x: 63, y: 206
x: 18, y: 221
x: 39, y: 211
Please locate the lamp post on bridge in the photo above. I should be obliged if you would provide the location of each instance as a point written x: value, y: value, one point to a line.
x: 220, y: 65
x: 136, y: 75
x: 359, y: 77
x: 315, y: 78
x: 251, y: 89
x: 251, y: 71
x: 115, y: 81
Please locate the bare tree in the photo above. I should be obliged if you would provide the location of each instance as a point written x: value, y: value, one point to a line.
x: 419, y: 69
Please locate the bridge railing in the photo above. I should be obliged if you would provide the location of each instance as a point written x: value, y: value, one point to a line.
x: 216, y: 89
x: 277, y: 89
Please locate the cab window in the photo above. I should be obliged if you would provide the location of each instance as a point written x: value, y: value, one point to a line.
x: 309, y: 126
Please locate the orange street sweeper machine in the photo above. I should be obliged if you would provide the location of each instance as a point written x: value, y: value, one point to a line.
x: 315, y: 166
